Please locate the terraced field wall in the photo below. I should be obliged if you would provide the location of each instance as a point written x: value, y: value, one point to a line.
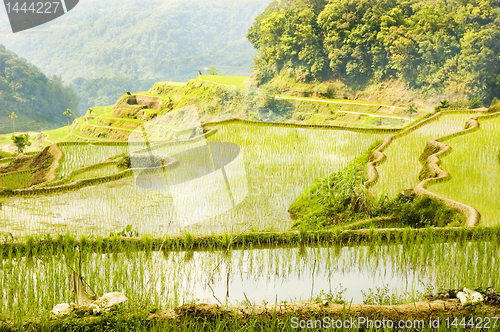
x: 299, y: 125
x: 432, y: 162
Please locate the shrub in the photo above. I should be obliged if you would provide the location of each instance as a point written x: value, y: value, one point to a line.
x: 212, y: 70
x: 444, y: 104
x: 476, y: 102
x: 421, y: 212
x: 494, y: 102
x: 338, y: 198
x: 21, y: 142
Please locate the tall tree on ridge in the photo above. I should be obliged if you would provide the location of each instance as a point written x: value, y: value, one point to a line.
x: 68, y: 113
x: 13, y: 116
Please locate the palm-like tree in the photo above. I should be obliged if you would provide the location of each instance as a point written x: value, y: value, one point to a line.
x: 13, y: 116
x: 412, y: 109
x: 68, y: 113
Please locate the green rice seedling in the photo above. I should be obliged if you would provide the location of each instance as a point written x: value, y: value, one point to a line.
x: 474, y: 170
x: 16, y: 180
x: 80, y: 155
x: 338, y: 198
x: 401, y: 168
x: 279, y: 163
x: 282, y: 162
x: 103, y: 171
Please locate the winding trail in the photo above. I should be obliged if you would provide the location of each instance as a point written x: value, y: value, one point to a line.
x: 106, y: 127
x: 233, y: 86
x: 437, y: 174
x: 337, y: 102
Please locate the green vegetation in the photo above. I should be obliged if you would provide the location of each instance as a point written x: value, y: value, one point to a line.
x: 221, y: 97
x: 276, y: 172
x: 411, y: 110
x: 402, y: 167
x: 13, y: 117
x: 475, y: 170
x: 68, y: 113
x: 218, y: 101
x: 21, y: 142
x: 16, y: 180
x: 29, y: 96
x: 158, y: 276
x: 81, y: 155
x: 124, y: 46
x: 429, y: 47
x: 4, y: 154
x: 341, y: 199
x: 421, y: 212
x: 170, y: 41
x: 339, y: 101
x: 337, y: 199
x: 100, y: 110
x: 294, y: 206
x: 347, y: 208
x: 237, y: 81
x: 212, y: 70
x: 56, y: 135
x: 94, y: 92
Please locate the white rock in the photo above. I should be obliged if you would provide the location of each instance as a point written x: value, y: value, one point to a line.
x: 108, y: 300
x: 113, y: 298
x: 469, y: 296
x: 104, y: 303
x: 61, y: 309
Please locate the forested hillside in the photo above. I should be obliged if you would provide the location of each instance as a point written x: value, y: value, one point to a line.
x: 140, y: 41
x: 37, y: 101
x: 443, y: 47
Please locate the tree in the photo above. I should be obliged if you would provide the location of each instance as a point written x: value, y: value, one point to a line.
x: 25, y: 89
x: 447, y: 48
x: 411, y: 110
x: 476, y: 102
x: 13, y: 116
x: 212, y: 70
x: 444, y: 104
x: 68, y: 113
x: 21, y: 141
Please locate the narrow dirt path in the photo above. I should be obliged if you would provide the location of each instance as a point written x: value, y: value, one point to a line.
x: 233, y: 86
x: 335, y: 102
x: 351, y: 112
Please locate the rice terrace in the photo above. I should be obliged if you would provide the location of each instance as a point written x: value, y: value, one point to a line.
x: 349, y: 182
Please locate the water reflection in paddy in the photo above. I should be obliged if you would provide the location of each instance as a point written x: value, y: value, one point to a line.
x: 164, y: 279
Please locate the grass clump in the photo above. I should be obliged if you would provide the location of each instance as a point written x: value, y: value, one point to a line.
x: 342, y: 198
x: 336, y: 199
x: 5, y: 154
x: 421, y: 212
x: 381, y: 296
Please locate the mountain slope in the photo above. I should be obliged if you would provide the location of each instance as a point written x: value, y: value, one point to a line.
x: 447, y: 48
x: 38, y: 101
x: 163, y: 40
